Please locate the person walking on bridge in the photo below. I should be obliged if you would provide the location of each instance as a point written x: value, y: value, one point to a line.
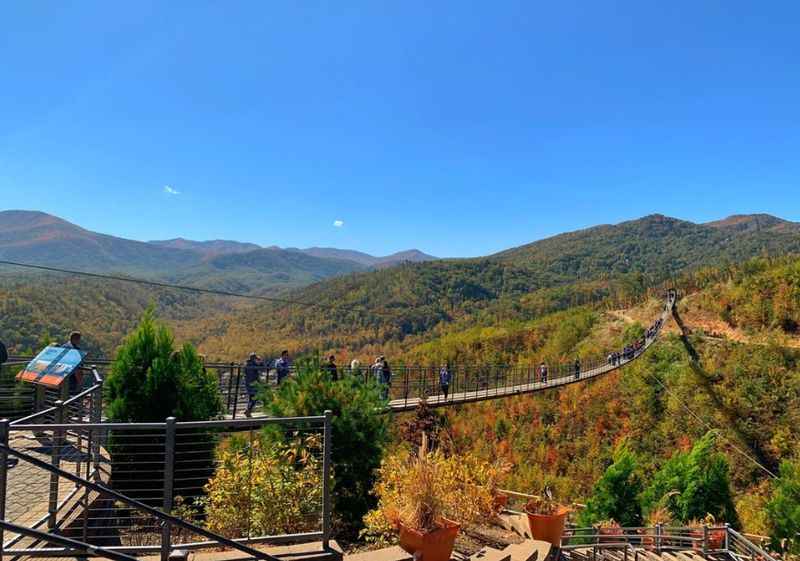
x: 543, y: 373
x: 252, y: 374
x: 283, y: 366
x: 330, y: 369
x: 445, y: 377
x: 577, y: 368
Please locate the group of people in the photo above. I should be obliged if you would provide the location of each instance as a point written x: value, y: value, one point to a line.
x: 253, y: 368
x: 629, y: 352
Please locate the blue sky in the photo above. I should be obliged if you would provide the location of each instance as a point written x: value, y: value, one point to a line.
x: 459, y: 128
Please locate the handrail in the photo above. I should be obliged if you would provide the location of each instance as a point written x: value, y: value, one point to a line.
x: 77, y: 546
x: 167, y: 518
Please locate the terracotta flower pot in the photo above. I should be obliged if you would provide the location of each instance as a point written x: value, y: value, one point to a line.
x: 548, y: 527
x: 716, y: 539
x: 434, y: 546
x: 611, y: 534
x: 499, y: 502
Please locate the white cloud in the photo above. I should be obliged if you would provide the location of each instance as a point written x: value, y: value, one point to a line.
x: 338, y: 223
x: 170, y: 191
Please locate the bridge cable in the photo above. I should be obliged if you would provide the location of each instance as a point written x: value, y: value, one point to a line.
x: 160, y: 284
x: 711, y: 427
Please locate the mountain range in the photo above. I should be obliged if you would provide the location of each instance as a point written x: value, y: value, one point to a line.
x: 42, y: 239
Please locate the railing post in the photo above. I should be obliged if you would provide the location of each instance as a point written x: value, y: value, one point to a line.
x: 169, y: 479
x: 236, y: 392
x: 4, y: 425
x: 727, y: 537
x: 97, y: 418
x: 55, y: 461
x: 658, y: 538
x: 230, y: 388
x: 705, y: 539
x: 327, y: 444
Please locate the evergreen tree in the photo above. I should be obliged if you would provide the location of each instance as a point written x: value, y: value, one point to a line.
x: 150, y: 380
x: 616, y: 494
x: 692, y: 485
x: 783, y: 509
x: 359, y: 431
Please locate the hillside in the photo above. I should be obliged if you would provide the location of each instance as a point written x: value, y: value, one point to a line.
x: 396, y: 307
x: 263, y: 270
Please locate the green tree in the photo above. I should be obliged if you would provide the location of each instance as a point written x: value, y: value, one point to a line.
x: 694, y: 484
x: 360, y: 432
x: 616, y: 494
x: 783, y: 509
x: 150, y: 380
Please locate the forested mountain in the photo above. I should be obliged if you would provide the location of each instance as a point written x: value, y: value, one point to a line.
x: 208, y: 248
x: 381, y: 308
x: 411, y: 256
x: 655, y: 245
x: 42, y: 239
x: 263, y: 270
x: 36, y: 237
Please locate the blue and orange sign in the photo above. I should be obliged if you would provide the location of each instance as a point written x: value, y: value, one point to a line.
x: 52, y: 366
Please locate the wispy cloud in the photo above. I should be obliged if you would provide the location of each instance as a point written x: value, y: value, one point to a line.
x: 170, y: 191
x: 338, y: 223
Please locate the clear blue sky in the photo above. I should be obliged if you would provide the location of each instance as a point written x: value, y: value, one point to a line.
x: 460, y: 128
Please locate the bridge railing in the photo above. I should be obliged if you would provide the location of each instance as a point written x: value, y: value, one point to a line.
x: 150, y: 487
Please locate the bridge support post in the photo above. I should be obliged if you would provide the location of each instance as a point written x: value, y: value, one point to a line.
x: 327, y: 444
x: 55, y: 461
x: 4, y: 424
x: 169, y: 479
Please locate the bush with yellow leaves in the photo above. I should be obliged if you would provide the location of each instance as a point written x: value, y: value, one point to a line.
x: 265, y: 488
x: 418, y: 490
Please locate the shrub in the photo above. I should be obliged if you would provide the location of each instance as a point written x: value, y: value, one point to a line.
x: 150, y: 380
x: 693, y: 485
x: 360, y: 432
x: 418, y: 489
x: 783, y: 509
x: 616, y: 494
x: 266, y: 489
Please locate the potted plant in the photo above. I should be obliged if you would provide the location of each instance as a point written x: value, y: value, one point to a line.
x: 715, y: 533
x: 609, y: 531
x: 546, y: 518
x: 424, y: 529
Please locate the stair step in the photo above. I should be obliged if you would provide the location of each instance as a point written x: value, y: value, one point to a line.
x: 529, y: 550
x: 395, y: 553
x: 490, y: 554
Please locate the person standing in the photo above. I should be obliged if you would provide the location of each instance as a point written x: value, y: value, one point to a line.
x: 355, y: 367
x: 543, y: 373
x: 445, y: 377
x: 330, y: 369
x: 252, y: 373
x: 76, y: 378
x: 283, y: 366
x: 386, y: 378
x: 577, y: 368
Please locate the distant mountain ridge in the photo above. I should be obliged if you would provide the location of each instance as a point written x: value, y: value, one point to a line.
x: 42, y: 239
x: 208, y: 248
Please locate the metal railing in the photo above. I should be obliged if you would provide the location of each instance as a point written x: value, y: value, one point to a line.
x: 151, y: 487
x: 631, y: 542
x: 589, y: 544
